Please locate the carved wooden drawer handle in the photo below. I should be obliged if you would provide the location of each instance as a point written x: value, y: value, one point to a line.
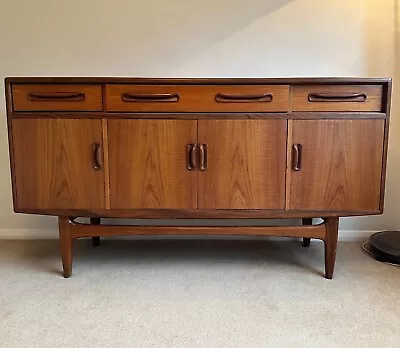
x: 243, y: 98
x: 150, y: 98
x: 57, y: 96
x: 322, y: 97
x: 297, y: 157
x: 97, y: 157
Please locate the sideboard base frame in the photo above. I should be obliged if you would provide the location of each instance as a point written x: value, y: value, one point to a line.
x: 70, y: 230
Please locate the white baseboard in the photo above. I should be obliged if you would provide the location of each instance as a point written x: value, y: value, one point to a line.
x: 344, y: 235
x: 354, y: 235
x: 25, y: 233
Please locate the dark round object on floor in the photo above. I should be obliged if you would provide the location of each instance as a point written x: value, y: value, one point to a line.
x: 386, y: 246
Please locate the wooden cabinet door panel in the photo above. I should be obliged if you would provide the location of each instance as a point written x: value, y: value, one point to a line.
x: 148, y: 164
x: 53, y: 161
x: 246, y: 161
x: 341, y: 165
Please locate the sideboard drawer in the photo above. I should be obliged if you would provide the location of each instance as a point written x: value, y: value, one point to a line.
x: 191, y: 98
x: 57, y: 97
x: 337, y: 98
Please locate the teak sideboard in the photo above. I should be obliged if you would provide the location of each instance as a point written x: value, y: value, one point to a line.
x: 299, y: 148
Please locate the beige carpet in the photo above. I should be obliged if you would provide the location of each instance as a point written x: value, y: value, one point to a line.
x: 196, y: 293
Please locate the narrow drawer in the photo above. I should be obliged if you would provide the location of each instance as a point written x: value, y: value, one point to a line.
x: 337, y: 98
x: 190, y: 98
x: 55, y: 97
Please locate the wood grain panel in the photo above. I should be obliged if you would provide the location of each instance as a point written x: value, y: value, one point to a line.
x: 53, y: 162
x: 199, y: 98
x: 246, y: 164
x: 288, y: 163
x: 341, y: 165
x: 330, y: 100
x: 148, y: 164
x: 53, y: 97
x: 104, y: 126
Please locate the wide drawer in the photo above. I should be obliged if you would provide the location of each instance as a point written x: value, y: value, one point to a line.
x: 56, y: 97
x: 337, y: 98
x: 190, y: 98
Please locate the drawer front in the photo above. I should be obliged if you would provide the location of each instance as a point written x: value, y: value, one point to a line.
x: 180, y: 98
x: 337, y: 98
x: 54, y: 97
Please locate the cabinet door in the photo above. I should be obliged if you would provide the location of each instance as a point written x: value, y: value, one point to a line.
x: 246, y: 161
x: 53, y: 164
x: 341, y: 164
x: 148, y: 164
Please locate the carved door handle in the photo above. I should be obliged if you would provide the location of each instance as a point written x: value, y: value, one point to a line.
x: 297, y: 157
x: 203, y: 157
x: 97, y: 157
x: 191, y: 156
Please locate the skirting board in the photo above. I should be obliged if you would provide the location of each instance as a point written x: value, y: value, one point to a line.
x: 344, y: 235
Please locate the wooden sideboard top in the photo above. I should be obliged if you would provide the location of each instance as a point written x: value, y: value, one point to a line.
x: 196, y: 80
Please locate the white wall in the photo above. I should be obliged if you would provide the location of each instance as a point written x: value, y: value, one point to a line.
x: 217, y: 38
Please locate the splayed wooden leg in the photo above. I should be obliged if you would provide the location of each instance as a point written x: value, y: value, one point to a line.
x: 331, y: 237
x: 66, y: 243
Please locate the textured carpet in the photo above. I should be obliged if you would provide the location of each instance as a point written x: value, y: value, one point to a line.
x: 196, y: 293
